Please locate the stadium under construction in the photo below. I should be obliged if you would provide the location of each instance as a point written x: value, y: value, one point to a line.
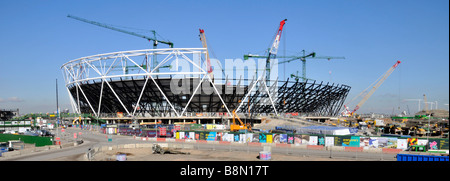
x: 178, y: 84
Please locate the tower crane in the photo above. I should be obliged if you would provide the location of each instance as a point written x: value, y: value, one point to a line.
x: 426, y: 104
x: 296, y: 57
x: 154, y: 39
x: 377, y: 83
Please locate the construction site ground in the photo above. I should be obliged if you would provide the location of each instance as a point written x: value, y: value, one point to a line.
x: 270, y: 123
x: 145, y: 154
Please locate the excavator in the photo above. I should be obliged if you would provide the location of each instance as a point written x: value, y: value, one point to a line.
x: 241, y: 126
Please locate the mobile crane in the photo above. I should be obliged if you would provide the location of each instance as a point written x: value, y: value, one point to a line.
x: 377, y: 83
x: 273, y: 50
x: 208, y: 62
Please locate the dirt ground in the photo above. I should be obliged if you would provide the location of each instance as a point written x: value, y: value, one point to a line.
x: 145, y: 154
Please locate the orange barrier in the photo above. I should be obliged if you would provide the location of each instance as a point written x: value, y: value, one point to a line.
x: 201, y: 141
x: 391, y: 150
x: 224, y: 142
x: 354, y: 149
x: 314, y: 147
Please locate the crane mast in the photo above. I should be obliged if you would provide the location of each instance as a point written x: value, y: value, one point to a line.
x: 274, y: 49
x: 426, y: 104
x: 378, y: 83
x: 208, y: 62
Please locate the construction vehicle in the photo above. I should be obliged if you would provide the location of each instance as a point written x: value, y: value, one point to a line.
x: 374, y: 86
x: 237, y: 127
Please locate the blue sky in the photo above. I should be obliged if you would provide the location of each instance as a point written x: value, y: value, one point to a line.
x: 36, y: 38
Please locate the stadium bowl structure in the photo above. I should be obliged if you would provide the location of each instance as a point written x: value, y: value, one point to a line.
x: 179, y: 85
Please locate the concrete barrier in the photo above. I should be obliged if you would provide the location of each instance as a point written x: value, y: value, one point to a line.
x: 10, y: 154
x: 129, y: 146
x: 354, y: 149
x: 41, y: 148
x: 201, y: 141
x: 314, y: 147
x: 213, y: 142
x: 224, y: 142
x: 282, y: 145
x: 176, y: 146
x: 65, y: 145
x: 236, y: 143
x: 373, y: 150
x: 336, y: 148
x: 300, y: 146
x: 268, y: 144
x: 253, y: 144
x: 188, y: 146
x: 103, y: 148
x: 145, y: 145
x: 391, y: 150
x: 54, y: 147
x: 27, y: 150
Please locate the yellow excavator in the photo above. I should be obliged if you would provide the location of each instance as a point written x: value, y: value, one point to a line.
x: 236, y: 127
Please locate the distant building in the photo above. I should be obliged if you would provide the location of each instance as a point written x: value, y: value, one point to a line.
x: 7, y: 114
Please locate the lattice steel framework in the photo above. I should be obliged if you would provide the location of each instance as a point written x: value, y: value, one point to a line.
x: 116, y: 82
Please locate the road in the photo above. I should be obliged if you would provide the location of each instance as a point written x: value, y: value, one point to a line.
x: 90, y: 139
x: 94, y: 139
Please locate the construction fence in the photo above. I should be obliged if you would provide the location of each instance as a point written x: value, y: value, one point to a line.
x: 306, y: 139
x: 351, y: 141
